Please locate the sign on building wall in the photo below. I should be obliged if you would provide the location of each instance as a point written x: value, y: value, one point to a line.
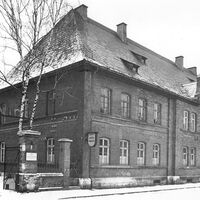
x: 92, y: 138
x: 31, y: 156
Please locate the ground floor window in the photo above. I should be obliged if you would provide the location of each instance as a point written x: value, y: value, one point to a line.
x: 193, y: 156
x: 156, y: 154
x: 104, y: 144
x: 124, y: 152
x: 141, y: 153
x: 185, y: 156
x: 2, y: 152
x: 50, y: 150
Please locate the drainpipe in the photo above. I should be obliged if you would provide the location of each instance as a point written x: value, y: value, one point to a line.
x: 168, y: 114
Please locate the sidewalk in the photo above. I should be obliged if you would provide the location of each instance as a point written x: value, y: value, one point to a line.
x: 80, y: 193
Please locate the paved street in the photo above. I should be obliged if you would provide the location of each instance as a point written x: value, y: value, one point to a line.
x: 167, y: 192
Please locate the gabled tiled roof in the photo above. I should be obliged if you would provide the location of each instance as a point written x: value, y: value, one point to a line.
x: 76, y: 38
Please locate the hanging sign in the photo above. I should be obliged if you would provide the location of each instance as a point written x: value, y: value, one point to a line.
x: 92, y: 138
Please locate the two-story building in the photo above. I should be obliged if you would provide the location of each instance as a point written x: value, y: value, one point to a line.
x: 143, y: 107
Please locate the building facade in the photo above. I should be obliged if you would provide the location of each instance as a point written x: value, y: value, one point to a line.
x: 143, y: 107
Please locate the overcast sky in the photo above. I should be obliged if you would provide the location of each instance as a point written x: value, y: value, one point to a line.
x: 168, y: 27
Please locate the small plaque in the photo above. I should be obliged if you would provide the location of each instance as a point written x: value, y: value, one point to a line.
x: 31, y: 156
x: 92, y: 138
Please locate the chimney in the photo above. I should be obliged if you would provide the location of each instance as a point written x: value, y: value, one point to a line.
x: 179, y: 61
x: 121, y: 31
x: 82, y: 10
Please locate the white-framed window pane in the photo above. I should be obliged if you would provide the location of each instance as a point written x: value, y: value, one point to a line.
x: 193, y: 122
x: 157, y: 113
x: 193, y: 156
x: 185, y: 120
x: 2, y: 152
x: 124, y: 152
x: 125, y: 105
x: 105, y: 100
x: 185, y: 156
x: 50, y: 150
x: 141, y: 154
x: 142, y: 110
x: 156, y: 154
x: 104, y: 151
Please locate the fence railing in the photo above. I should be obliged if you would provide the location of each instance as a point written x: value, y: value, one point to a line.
x: 44, y: 167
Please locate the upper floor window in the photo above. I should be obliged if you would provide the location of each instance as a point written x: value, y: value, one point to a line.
x: 104, y: 150
x: 105, y: 101
x: 185, y: 156
x: 125, y: 105
x: 50, y: 102
x: 26, y: 108
x: 193, y: 122
x: 156, y: 154
x: 142, y: 113
x: 141, y: 153
x: 157, y: 113
x: 124, y: 153
x: 50, y: 150
x: 185, y: 120
x: 2, y: 113
x: 2, y: 152
x: 193, y: 156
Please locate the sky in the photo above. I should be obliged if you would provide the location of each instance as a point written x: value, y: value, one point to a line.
x: 169, y: 27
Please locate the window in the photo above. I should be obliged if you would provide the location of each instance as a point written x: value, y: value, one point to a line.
x: 2, y: 113
x: 125, y: 105
x: 104, y: 151
x: 105, y: 101
x: 156, y: 154
x: 2, y: 152
x: 26, y: 108
x: 193, y: 122
x: 124, y: 152
x: 50, y: 102
x: 193, y: 156
x: 185, y: 156
x: 157, y: 113
x: 50, y: 150
x: 142, y: 109
x: 185, y: 120
x: 141, y: 153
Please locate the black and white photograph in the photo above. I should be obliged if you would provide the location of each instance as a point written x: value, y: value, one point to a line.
x: 99, y: 99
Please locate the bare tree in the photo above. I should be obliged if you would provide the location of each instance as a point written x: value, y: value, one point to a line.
x: 25, y: 23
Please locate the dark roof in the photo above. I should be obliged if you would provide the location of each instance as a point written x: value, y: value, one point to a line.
x: 76, y: 38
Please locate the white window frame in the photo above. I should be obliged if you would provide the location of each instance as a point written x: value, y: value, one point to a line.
x: 141, y: 153
x: 124, y: 152
x: 193, y: 156
x: 157, y: 113
x: 104, y: 151
x: 125, y: 105
x: 50, y: 150
x: 193, y: 122
x: 156, y: 154
x: 185, y: 120
x: 142, y: 113
x: 2, y: 152
x: 105, y: 100
x: 185, y: 156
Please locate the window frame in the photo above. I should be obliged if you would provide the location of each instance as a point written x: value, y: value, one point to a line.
x: 105, y: 100
x: 125, y: 105
x: 50, y: 151
x: 193, y: 157
x: 157, y: 113
x: 124, y: 159
x: 142, y: 109
x: 193, y: 122
x: 185, y: 156
x: 141, y: 153
x: 186, y: 120
x: 2, y: 152
x: 156, y: 154
x: 104, y: 159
